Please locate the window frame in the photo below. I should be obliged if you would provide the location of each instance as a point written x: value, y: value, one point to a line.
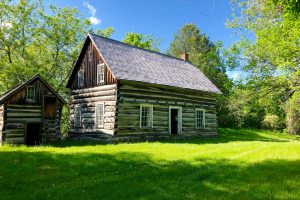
x: 76, y: 125
x: 96, y: 121
x: 203, y: 120
x: 78, y: 81
x: 103, y: 75
x: 34, y: 96
x: 151, y: 115
x: 90, y: 55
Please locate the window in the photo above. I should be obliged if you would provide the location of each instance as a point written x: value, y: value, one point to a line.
x: 30, y: 93
x: 90, y: 55
x: 100, y: 73
x: 146, y: 116
x: 77, y: 116
x: 80, y: 78
x: 100, y: 115
x: 200, y: 118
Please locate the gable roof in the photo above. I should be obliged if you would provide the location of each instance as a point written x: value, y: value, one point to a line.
x: 11, y: 92
x: 128, y: 62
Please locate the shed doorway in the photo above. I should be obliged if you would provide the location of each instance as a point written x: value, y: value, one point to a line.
x: 33, y: 134
x: 175, y: 120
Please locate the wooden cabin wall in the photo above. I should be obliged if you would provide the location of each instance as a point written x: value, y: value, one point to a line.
x: 16, y: 117
x: 18, y: 112
x: 90, y: 69
x: 20, y: 97
x: 132, y: 94
x: 1, y: 121
x: 87, y: 99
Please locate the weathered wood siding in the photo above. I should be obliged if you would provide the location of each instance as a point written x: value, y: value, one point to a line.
x: 89, y: 66
x: 16, y: 119
x: 87, y: 99
x: 17, y: 112
x: 1, y: 122
x: 132, y: 94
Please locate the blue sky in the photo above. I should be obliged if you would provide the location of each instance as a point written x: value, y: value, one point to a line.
x: 162, y: 18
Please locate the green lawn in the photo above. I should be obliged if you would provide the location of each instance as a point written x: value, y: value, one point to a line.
x: 240, y: 164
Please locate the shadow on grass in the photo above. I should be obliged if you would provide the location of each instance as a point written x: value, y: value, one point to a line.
x: 42, y: 175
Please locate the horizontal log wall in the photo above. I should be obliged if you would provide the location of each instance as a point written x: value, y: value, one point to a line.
x: 87, y: 99
x: 1, y: 121
x: 16, y: 118
x: 131, y: 95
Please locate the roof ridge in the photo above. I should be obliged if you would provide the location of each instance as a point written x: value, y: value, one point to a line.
x: 151, y: 51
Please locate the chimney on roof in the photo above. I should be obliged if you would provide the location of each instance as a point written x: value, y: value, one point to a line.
x: 184, y: 56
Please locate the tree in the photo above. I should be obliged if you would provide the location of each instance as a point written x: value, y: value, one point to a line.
x: 272, y: 60
x: 206, y: 55
x: 139, y: 40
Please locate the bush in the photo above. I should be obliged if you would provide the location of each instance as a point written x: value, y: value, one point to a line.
x: 271, y: 122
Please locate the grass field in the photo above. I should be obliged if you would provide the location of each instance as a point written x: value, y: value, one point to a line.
x: 240, y: 164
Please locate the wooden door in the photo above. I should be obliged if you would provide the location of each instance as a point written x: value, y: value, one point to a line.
x: 49, y: 108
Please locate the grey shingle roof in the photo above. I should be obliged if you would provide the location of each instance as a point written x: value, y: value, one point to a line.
x: 131, y: 63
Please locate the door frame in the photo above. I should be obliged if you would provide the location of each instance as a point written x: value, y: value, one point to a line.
x: 179, y: 127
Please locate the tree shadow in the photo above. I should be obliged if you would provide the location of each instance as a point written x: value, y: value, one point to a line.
x: 123, y: 175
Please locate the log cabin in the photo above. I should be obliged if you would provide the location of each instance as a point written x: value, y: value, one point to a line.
x: 122, y: 91
x: 30, y: 113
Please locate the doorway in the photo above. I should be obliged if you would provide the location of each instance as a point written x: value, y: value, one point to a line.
x: 33, y: 134
x: 175, y: 118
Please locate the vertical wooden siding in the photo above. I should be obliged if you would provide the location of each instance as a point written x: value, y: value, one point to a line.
x: 90, y: 69
x: 131, y: 95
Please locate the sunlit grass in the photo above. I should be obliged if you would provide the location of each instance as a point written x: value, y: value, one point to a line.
x: 239, y: 164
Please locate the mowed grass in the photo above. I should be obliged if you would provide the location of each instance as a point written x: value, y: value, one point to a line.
x: 239, y: 164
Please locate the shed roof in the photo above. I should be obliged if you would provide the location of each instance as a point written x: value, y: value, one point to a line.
x: 9, y: 93
x: 136, y: 64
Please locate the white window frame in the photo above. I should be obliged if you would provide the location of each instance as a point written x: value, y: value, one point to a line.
x: 28, y: 87
x: 196, y: 124
x: 151, y: 115
x: 90, y: 55
x: 98, y: 71
x: 179, y: 128
x: 76, y: 124
x: 96, y: 120
x: 79, y: 85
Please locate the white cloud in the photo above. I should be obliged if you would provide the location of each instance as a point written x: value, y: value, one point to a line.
x: 95, y: 20
x: 92, y: 10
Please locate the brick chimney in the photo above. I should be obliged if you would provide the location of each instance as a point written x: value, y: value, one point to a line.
x: 184, y: 56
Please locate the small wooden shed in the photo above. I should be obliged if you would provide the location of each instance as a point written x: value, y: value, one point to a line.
x: 30, y: 113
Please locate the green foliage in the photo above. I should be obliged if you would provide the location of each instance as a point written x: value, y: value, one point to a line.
x: 108, y: 32
x: 206, y: 55
x: 228, y: 167
x: 139, y: 40
x: 271, y: 122
x: 293, y: 114
x: 272, y: 59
